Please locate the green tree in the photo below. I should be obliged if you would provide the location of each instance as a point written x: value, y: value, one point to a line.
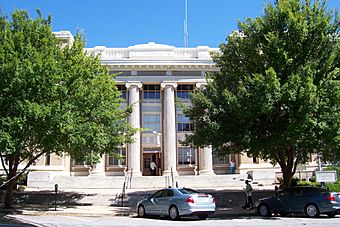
x: 53, y: 99
x: 276, y: 95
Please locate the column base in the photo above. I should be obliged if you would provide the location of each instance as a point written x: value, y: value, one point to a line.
x: 206, y: 172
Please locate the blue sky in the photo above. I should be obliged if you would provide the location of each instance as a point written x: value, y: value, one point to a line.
x: 123, y: 23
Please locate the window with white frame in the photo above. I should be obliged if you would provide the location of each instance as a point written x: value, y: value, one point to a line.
x: 120, y: 159
x: 183, y: 123
x: 186, y: 156
x: 152, y: 122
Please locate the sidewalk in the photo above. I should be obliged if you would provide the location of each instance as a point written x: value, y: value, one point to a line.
x: 107, y: 202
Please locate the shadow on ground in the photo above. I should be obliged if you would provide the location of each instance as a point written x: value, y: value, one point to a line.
x: 44, y: 200
x: 228, y: 202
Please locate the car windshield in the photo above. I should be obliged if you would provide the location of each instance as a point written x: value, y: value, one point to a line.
x: 188, y: 191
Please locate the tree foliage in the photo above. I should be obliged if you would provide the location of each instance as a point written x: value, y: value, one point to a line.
x: 277, y: 93
x: 53, y: 99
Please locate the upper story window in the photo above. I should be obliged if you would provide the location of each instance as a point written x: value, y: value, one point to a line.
x: 183, y: 123
x: 151, y: 92
x: 152, y: 122
x: 121, y: 73
x: 122, y: 89
x: 151, y: 73
x: 184, y: 90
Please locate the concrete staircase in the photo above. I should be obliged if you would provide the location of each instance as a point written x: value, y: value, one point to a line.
x: 144, y: 182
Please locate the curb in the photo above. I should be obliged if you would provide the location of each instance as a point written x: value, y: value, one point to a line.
x: 117, y: 211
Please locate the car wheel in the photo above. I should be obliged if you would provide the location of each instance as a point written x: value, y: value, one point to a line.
x: 312, y: 211
x: 202, y: 216
x: 331, y: 214
x: 173, y: 213
x: 141, y: 211
x: 264, y: 210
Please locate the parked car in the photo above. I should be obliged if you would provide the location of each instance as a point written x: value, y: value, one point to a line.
x: 177, y: 202
x: 311, y: 201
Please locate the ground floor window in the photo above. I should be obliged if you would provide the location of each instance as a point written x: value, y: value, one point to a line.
x: 186, y: 156
x: 220, y: 159
x: 119, y: 159
x: 78, y: 162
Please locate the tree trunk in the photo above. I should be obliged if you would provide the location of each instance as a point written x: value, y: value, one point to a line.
x: 9, y: 194
x: 287, y: 177
x: 13, y: 167
x: 287, y: 160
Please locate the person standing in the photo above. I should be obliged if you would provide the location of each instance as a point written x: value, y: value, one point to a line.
x: 249, y: 196
x: 232, y: 166
x: 153, y: 167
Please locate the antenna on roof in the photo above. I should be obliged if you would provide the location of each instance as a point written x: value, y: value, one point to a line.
x: 186, y: 25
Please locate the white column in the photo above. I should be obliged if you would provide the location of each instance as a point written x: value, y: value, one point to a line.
x: 134, y: 120
x: 99, y: 169
x: 206, y: 163
x: 169, y: 130
x: 205, y: 154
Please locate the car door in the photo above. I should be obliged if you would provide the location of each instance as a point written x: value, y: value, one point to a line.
x: 165, y: 201
x: 296, y: 204
x: 153, y: 208
x: 281, y: 200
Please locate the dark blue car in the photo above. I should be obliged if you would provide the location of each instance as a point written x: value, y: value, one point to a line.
x: 311, y: 201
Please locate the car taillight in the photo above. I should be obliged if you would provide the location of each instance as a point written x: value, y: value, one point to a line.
x: 190, y: 200
x: 331, y: 197
x: 213, y: 199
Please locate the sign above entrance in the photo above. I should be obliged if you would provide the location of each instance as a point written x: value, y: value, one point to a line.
x: 151, y: 149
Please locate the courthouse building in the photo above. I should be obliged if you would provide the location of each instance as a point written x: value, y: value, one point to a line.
x: 156, y: 80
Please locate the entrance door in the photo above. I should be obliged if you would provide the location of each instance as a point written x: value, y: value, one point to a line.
x: 147, y: 158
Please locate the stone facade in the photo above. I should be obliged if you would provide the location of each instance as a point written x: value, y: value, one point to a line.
x: 155, y: 80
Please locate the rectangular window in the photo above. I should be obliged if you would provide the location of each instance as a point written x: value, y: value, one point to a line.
x: 220, y: 159
x: 121, y: 73
x: 78, y: 162
x: 152, y: 122
x: 186, y: 156
x: 120, y: 159
x: 122, y: 89
x: 151, y: 92
x: 183, y: 91
x: 183, y: 123
x: 151, y: 73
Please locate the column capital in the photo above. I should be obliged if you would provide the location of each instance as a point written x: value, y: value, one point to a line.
x: 133, y: 83
x: 168, y: 83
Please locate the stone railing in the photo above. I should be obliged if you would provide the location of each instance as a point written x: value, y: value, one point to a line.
x: 201, y: 53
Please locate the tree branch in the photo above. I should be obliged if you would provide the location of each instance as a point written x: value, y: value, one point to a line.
x: 24, y: 169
